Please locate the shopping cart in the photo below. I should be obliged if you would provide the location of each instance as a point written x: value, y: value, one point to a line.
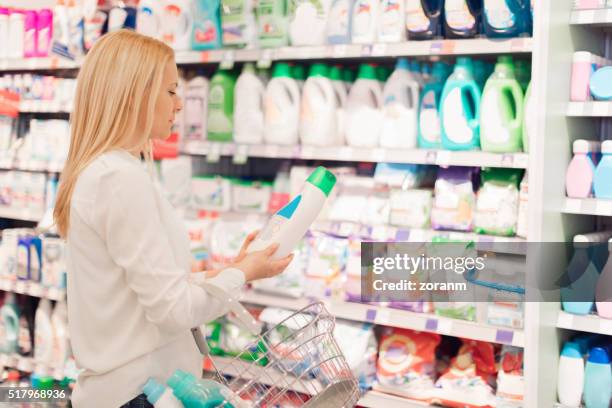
x: 296, y: 362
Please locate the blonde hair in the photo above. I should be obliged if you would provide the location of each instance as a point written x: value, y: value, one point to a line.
x: 121, y: 76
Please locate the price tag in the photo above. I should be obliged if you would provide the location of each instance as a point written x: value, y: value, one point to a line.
x: 241, y: 154
x: 4, y: 64
x: 214, y: 153
x: 54, y: 62
x: 366, y: 50
x: 379, y: 233
x: 339, y: 51
x: 504, y: 336
x: 521, y: 160
x: 417, y: 235
x: 565, y: 320
x: 573, y: 205
x: 345, y: 229
x: 21, y: 286
x: 370, y: 315
x: 443, y: 158
x: 32, y: 63
x: 204, y: 56
x: 445, y: 326
x: 379, y: 155
x: 383, y: 316
x: 601, y: 108
x: 519, y: 339
x: 431, y: 157
x: 271, y: 151
x: 307, y: 152
x: 507, y: 160
x: 379, y: 50
x: 431, y: 325
x: 605, y: 326
x: 265, y: 60
x: 227, y: 60
x: 603, y: 207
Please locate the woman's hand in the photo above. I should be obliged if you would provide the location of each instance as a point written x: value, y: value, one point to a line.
x: 259, y: 265
x: 245, y: 246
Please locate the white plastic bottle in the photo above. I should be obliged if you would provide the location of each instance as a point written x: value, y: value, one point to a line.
x: 400, y: 108
x: 281, y: 107
x: 43, y: 334
x: 570, y: 375
x: 16, y: 35
x: 195, y: 112
x: 160, y: 396
x: 148, y: 18
x: 318, y: 109
x: 288, y: 226
x: 308, y: 22
x: 365, y: 21
x: 335, y: 75
x: 391, y: 18
x: 4, y: 31
x: 363, y: 109
x: 59, y: 324
x: 248, y: 107
x: 176, y: 23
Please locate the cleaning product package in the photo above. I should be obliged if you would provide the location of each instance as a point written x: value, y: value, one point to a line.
x: 319, y: 109
x: 359, y: 346
x: 410, y: 208
x: 290, y: 283
x: 429, y: 127
x: 203, y: 30
x: 220, y: 119
x: 363, y: 109
x: 308, y: 21
x: 281, y: 107
x: 391, y: 21
x: 248, y: 107
x: 506, y: 18
x: 454, y: 199
x: 325, y: 266
x: 462, y: 18
x: 340, y: 22
x: 424, y: 19
x: 250, y: 196
x: 272, y: 25
x: 211, y: 193
x: 238, y: 23
x: 497, y: 202
x: 365, y: 21
x: 196, y: 108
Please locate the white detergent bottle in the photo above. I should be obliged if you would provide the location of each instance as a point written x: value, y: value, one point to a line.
x: 288, y: 226
x: 363, y: 109
x: 308, y: 21
x: 196, y: 108
x: 391, y: 21
x: 281, y: 107
x: 365, y: 21
x: 43, y: 335
x: 400, y: 108
x: 335, y: 74
x: 160, y: 396
x: 59, y: 324
x: 176, y: 23
x: 318, y: 109
x: 248, y: 107
x: 147, y: 18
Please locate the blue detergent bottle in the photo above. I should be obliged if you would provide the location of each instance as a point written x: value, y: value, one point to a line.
x: 428, y: 136
x: 424, y: 19
x: 199, y: 393
x: 462, y: 18
x: 603, y: 172
x: 460, y: 108
x: 597, y: 379
x: 578, y: 293
x: 507, y: 18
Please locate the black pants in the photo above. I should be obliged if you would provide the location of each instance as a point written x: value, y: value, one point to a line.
x: 138, y: 402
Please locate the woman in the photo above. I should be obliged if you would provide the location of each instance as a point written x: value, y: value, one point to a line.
x: 131, y: 299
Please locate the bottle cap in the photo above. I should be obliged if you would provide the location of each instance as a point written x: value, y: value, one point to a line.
x: 46, y: 383
x: 348, y: 75
x: 153, y: 390
x: 319, y: 69
x: 600, y: 84
x: 281, y: 70
x: 366, y: 71
x: 402, y: 63
x: 323, y: 179
x: 606, y: 147
x: 335, y: 73
x: 585, y: 146
x: 571, y: 350
x: 13, y: 375
x: 249, y: 67
x: 178, y: 377
x: 599, y: 355
x: 298, y: 72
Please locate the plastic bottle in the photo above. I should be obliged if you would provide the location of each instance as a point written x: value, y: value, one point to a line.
x: 25, y: 343
x: 176, y: 22
x: 597, y: 379
x: 238, y: 23
x: 30, y: 43
x: 506, y: 18
x: 400, y: 99
x: 59, y: 324
x: 4, y: 31
x: 460, y: 108
x: 248, y: 107
x: 202, y: 393
x: 288, y: 226
x: 429, y: 108
x: 43, y: 335
x: 196, y: 108
x: 281, y: 107
x: 308, y: 21
x: 221, y: 106
x: 570, y: 375
x: 10, y: 321
x: 298, y: 72
x: 160, y: 396
x: 75, y: 25
x: 365, y: 21
x: 318, y: 109
x: 522, y: 72
x: 581, y: 170
x: 603, y: 173
x: 205, y: 28
x: 391, y: 21
x: 501, y: 115
x: 424, y: 19
x: 272, y: 23
x: 363, y: 105
x: 44, y: 26
x: 522, y: 224
x: 462, y: 18
x: 340, y: 22
x: 341, y: 93
x: 578, y: 296
x: 16, y: 34
x: 148, y: 18
x: 529, y: 119
x: 603, y: 290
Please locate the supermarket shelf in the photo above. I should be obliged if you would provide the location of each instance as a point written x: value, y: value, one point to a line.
x: 37, y: 64
x: 596, y: 17
x: 376, y: 399
x: 584, y: 323
x: 398, y: 318
x: 29, y: 365
x: 32, y: 289
x: 587, y: 206
x: 23, y: 214
x: 590, y: 109
x: 43, y: 107
x: 345, y: 153
x: 31, y: 165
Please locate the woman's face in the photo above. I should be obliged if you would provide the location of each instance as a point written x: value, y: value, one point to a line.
x: 167, y: 105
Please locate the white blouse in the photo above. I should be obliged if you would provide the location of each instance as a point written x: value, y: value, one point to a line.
x: 131, y: 297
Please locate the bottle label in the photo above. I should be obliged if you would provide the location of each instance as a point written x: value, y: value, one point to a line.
x: 456, y: 126
x: 29, y: 43
x: 391, y: 18
x: 24, y: 340
x: 429, y: 120
x: 269, y: 20
x: 339, y: 19
x: 458, y: 15
x: 416, y: 20
x: 494, y: 126
x: 498, y: 14
x: 363, y: 18
x: 218, y: 122
x: 234, y: 21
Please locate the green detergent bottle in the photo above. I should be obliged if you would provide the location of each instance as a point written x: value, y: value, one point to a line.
x: 502, y: 111
x: 272, y: 23
x: 221, y: 106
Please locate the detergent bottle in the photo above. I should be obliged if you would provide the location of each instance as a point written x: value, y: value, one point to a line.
x: 363, y: 109
x: 460, y: 108
x: 598, y: 379
x: 424, y: 19
x: 248, y: 107
x: 298, y: 72
x: 341, y: 93
x: 340, y: 22
x: 10, y: 322
x: 281, y: 107
x: 529, y: 119
x: 318, y: 109
x: 603, y: 290
x: 288, y: 226
x: 148, y: 18
x: 429, y: 108
x: 365, y: 21
x: 196, y: 108
x: 308, y: 21
x: 506, y: 18
x: 570, y: 375
x: 221, y: 106
x: 400, y: 99
x: 603, y: 172
x: 501, y: 114
x: 462, y: 18
x: 176, y: 24
x: 238, y: 24
x: 203, y: 393
x: 206, y: 31
x: 391, y: 21
x: 160, y: 396
x: 522, y: 71
x: 272, y: 23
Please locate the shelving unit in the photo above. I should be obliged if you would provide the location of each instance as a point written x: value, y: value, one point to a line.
x: 587, y: 206
x: 29, y: 365
x: 587, y: 323
x: 397, y: 318
x: 40, y: 106
x: 24, y: 214
x: 30, y: 288
x: 38, y: 64
x: 589, y: 109
x: 594, y: 18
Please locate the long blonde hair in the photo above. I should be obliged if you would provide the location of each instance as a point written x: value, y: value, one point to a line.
x: 121, y: 76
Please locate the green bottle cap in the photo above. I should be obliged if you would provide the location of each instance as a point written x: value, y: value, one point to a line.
x: 249, y: 67
x: 382, y: 73
x: 348, y: 75
x: 366, y: 71
x: 281, y: 70
x: 323, y: 179
x: 46, y: 383
x: 335, y: 73
x: 319, y: 69
x: 298, y: 72
x: 505, y: 62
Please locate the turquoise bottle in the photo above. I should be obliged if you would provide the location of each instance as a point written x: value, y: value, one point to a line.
x: 428, y: 136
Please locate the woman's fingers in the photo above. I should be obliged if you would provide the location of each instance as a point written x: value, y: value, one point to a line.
x: 280, y: 265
